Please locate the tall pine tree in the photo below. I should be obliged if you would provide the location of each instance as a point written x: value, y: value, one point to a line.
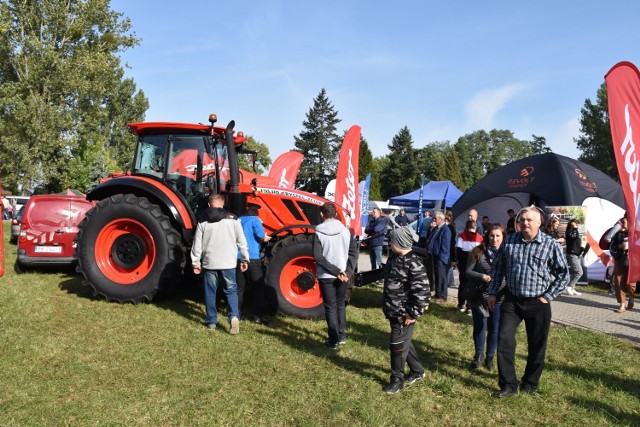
x: 595, y: 141
x: 399, y: 175
x: 320, y: 145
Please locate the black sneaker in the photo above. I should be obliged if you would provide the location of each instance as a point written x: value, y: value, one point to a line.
x: 331, y: 346
x: 413, y: 377
x: 393, y: 387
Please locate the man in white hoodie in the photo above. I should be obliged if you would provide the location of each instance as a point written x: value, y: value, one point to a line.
x: 214, y: 252
x: 336, y: 254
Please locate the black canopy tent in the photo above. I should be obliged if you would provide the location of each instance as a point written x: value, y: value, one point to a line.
x: 544, y: 180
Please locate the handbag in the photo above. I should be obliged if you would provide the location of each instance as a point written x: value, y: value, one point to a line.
x: 472, y: 291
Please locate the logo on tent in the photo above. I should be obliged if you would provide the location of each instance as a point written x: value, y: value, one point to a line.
x: 584, y: 181
x: 527, y: 171
x: 581, y: 174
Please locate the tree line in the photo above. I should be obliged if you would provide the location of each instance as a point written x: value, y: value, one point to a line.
x: 67, y: 103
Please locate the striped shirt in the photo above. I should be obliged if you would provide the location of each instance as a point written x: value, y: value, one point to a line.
x: 532, y: 269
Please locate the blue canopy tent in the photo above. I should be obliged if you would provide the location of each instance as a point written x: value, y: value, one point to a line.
x: 435, y: 191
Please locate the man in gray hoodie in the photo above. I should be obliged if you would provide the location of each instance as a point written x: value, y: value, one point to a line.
x: 214, y: 252
x: 336, y: 254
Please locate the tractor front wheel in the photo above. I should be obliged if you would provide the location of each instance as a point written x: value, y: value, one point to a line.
x: 127, y: 249
x: 291, y: 273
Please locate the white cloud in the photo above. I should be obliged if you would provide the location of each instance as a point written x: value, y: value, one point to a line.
x: 484, y: 106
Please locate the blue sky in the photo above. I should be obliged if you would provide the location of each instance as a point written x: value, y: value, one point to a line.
x: 443, y: 69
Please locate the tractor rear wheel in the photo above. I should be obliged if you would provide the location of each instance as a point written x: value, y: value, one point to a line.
x: 127, y: 249
x: 291, y: 273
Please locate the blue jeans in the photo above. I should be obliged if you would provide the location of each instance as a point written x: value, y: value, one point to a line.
x: 485, y: 327
x: 228, y: 280
x: 375, y: 255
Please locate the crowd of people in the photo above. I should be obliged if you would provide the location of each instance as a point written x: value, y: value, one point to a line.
x: 508, y: 275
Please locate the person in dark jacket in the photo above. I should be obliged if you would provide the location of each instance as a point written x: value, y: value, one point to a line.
x: 336, y: 254
x: 619, y: 249
x: 375, y: 231
x: 439, y: 246
x: 402, y: 219
x: 254, y: 275
x: 406, y: 295
x: 478, y: 272
x: 574, y: 251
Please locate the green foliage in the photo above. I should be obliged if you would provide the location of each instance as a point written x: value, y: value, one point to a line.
x: 431, y: 162
x: 263, y: 160
x: 399, y: 175
x: 379, y: 164
x: 66, y: 101
x: 595, y: 141
x: 367, y: 164
x: 320, y: 145
x: 539, y: 145
x: 482, y: 152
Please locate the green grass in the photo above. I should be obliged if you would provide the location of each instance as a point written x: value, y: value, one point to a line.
x: 70, y: 359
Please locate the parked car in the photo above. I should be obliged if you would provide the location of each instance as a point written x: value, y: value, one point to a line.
x: 47, y: 230
x: 15, y: 226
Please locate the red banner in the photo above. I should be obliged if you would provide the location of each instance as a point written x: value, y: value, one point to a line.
x: 285, y: 169
x: 623, y: 89
x: 347, y: 178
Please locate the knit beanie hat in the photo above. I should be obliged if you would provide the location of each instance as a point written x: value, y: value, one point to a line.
x: 403, y: 237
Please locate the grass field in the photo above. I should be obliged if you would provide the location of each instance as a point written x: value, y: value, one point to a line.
x: 70, y: 359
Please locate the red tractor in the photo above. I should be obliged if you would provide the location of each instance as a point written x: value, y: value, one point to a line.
x: 135, y: 242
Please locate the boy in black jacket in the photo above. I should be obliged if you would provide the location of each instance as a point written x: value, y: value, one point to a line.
x: 406, y: 295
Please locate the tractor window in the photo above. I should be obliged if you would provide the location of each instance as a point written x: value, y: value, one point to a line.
x: 223, y: 164
x: 150, y: 156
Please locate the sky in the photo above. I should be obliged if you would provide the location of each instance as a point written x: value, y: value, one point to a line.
x: 442, y: 69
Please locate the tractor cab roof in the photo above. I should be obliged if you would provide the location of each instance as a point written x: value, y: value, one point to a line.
x: 150, y: 128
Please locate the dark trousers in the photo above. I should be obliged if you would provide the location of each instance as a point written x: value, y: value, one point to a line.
x: 255, y: 276
x: 402, y: 351
x: 335, y: 313
x: 462, y: 276
x: 441, y: 271
x: 537, y: 319
x: 428, y: 264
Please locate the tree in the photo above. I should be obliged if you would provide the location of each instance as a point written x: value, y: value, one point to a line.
x: 595, y: 141
x: 66, y: 102
x: 539, y: 145
x: 452, y: 168
x: 380, y: 164
x: 399, y: 176
x: 263, y: 160
x: 482, y: 152
x: 431, y: 162
x: 320, y: 145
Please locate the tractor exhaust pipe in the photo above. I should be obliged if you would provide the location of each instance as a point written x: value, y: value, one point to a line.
x: 234, y: 175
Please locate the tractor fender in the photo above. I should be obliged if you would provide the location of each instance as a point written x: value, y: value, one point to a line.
x: 158, y: 193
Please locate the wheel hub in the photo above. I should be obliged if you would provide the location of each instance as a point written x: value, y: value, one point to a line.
x: 305, y: 281
x: 128, y: 250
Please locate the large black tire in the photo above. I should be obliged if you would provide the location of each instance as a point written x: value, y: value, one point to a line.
x: 127, y: 249
x: 291, y: 276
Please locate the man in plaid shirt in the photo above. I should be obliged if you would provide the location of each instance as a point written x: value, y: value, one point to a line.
x: 536, y: 271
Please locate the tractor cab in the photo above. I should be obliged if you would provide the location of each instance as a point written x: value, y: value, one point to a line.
x: 191, y: 159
